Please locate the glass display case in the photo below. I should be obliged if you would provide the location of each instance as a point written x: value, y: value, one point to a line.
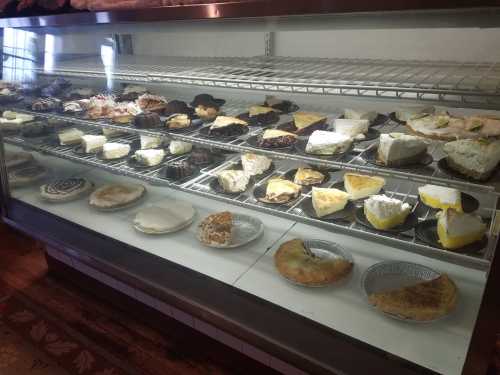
x: 323, y: 187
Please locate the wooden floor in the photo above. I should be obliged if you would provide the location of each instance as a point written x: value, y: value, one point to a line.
x: 183, y: 351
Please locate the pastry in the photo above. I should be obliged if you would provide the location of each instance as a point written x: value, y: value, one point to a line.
x: 17, y: 158
x: 124, y: 113
x: 93, y: 143
x: 225, y: 126
x: 14, y: 121
x: 476, y: 159
x: 178, y: 170
x: 151, y: 103
x: 206, y: 113
x: 355, y: 129
x: 323, y: 142
x: 150, y: 157
x: 56, y: 87
x: 113, y: 150
x: 201, y: 156
x: 308, y: 121
x: 101, y: 106
x: 233, y: 181
x: 356, y: 114
x: 164, y: 217
x: 413, y: 112
x: 206, y: 106
x: 116, y: 195
x: 177, y: 107
x: 80, y: 93
x: 385, y: 213
x: 440, y: 197
x: 424, y: 301
x: 178, y: 121
x: 148, y: 141
x: 308, y: 176
x: 46, y: 104
x: 76, y: 106
x: 327, y: 201
x: 284, y: 106
x: 66, y: 190
x: 281, y: 191
x: 254, y: 164
x: 26, y: 175
x: 398, y: 149
x: 145, y: 120
x: 131, y: 93
x: 360, y: 186
x: 216, y: 229
x: 274, y: 138
x: 179, y: 147
x: 260, y: 115
x: 70, y: 136
x: 292, y: 261
x: 457, y: 229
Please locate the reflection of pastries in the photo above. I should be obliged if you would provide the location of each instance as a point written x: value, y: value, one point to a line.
x: 216, y: 229
x: 398, y: 149
x: 281, y: 191
x: 457, y: 229
x: 328, y: 201
x: 116, y: 195
x: 427, y: 300
x: 308, y: 176
x: 46, y: 104
x: 276, y: 138
x: 294, y: 264
x: 385, y: 213
x: 17, y: 158
x: 360, y: 186
x: 440, y: 197
x: 476, y: 159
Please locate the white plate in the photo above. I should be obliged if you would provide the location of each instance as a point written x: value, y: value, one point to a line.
x: 245, y: 229
x: 122, y: 207
x: 172, y: 230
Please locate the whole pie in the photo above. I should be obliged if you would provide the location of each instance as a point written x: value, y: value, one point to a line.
x: 116, y: 195
x: 427, y: 300
x: 294, y: 264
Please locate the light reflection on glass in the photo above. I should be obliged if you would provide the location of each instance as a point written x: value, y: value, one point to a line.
x: 19, y: 55
x: 108, y: 61
x: 48, y: 62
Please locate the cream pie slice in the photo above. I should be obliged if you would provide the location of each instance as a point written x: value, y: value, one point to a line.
x: 149, y: 157
x: 281, y: 191
x: 148, y: 141
x: 70, y: 136
x: 233, y: 181
x: 115, y: 150
x: 308, y: 176
x: 93, y: 143
x: 277, y: 138
x: 360, y: 186
x: 457, y: 229
x: 440, y: 197
x: 179, y: 147
x: 327, y: 201
x: 303, y: 120
x: 355, y: 129
x: 384, y: 213
x: 254, y: 164
x: 323, y: 142
x: 398, y: 149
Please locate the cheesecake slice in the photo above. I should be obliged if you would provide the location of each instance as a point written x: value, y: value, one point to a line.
x: 476, y: 159
x: 385, y: 213
x: 93, y: 143
x: 115, y: 150
x: 233, y: 181
x: 179, y: 147
x: 440, y: 197
x: 308, y: 176
x: 398, y: 149
x: 457, y: 229
x: 254, y: 164
x: 327, y: 201
x: 360, y: 186
x: 323, y: 142
x: 355, y: 129
x: 148, y: 141
x: 149, y: 157
x: 356, y: 114
x: 70, y: 137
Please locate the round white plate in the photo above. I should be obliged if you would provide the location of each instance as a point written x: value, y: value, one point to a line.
x: 172, y: 230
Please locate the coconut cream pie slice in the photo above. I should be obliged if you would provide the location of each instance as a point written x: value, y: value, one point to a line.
x: 355, y: 129
x: 149, y: 157
x: 385, y: 213
x: 327, y: 201
x: 226, y: 126
x: 308, y: 176
x: 360, y: 186
x: 457, y: 229
x: 277, y: 138
x: 233, y: 181
x: 323, y: 142
x: 93, y: 143
x: 398, y: 149
x: 254, y: 164
x: 440, y: 197
x: 281, y: 191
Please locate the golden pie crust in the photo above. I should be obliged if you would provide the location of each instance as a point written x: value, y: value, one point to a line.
x: 294, y: 264
x: 424, y: 301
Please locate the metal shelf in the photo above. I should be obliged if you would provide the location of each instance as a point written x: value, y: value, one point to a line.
x: 199, y: 185
x: 353, y: 161
x: 445, y: 82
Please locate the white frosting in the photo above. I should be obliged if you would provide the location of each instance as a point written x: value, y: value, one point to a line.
x: 396, y: 146
x: 443, y: 194
x: 179, y: 147
x: 115, y: 150
x: 384, y: 207
x: 356, y: 114
x: 150, y: 141
x: 150, y: 157
x: 254, y: 164
x: 93, y: 142
x: 324, y: 142
x: 233, y: 181
x: 477, y: 155
x: 352, y: 128
x: 460, y: 224
x: 164, y: 216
